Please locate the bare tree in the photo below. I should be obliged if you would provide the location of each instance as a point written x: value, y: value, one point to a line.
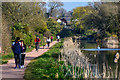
x: 62, y: 12
x: 54, y: 5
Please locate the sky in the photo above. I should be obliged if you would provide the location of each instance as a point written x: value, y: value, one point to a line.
x: 71, y: 5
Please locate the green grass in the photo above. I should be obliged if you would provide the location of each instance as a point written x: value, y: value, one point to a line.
x: 45, y: 66
x: 8, y: 56
x: 5, y: 58
x: 30, y: 49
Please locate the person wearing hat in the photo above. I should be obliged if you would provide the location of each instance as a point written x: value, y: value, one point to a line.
x: 37, y: 41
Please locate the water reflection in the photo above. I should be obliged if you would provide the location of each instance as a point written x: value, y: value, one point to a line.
x: 104, y: 60
x: 102, y: 49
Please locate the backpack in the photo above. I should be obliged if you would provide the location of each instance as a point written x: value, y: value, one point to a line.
x: 37, y: 39
x: 17, y: 48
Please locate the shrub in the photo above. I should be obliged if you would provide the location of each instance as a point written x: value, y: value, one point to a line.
x: 43, y: 40
x: 107, y: 34
x: 66, y: 33
x: 54, y: 27
x: 45, y: 66
x: 47, y: 34
x: 28, y: 39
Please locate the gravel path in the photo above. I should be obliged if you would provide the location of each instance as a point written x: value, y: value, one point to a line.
x: 8, y: 70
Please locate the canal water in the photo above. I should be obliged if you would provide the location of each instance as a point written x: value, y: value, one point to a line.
x: 103, y: 60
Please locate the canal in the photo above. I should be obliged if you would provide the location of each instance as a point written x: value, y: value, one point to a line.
x: 102, y: 62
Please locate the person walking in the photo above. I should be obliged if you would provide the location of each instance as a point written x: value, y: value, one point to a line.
x: 17, y: 49
x: 58, y: 38
x: 23, y: 53
x: 48, y: 41
x: 51, y: 38
x: 37, y: 41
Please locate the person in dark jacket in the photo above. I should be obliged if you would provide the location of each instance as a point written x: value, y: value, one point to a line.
x: 17, y: 49
x: 23, y: 53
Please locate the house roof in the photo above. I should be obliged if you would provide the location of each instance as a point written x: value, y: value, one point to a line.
x: 64, y: 20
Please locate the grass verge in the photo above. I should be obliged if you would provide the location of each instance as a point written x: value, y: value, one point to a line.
x: 45, y: 66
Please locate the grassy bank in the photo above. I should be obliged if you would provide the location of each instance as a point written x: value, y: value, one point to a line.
x: 45, y: 66
x: 48, y: 66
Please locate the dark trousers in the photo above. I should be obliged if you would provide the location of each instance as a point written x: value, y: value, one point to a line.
x: 48, y: 43
x: 23, y: 58
x: 57, y: 40
x: 17, y: 57
x: 37, y: 46
x: 51, y: 40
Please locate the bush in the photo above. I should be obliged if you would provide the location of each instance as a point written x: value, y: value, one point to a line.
x: 89, y: 32
x: 43, y: 40
x: 47, y: 34
x: 66, y: 33
x: 29, y: 39
x: 54, y: 27
x: 107, y: 34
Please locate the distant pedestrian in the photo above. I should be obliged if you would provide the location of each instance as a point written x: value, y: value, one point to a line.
x: 51, y: 38
x: 17, y: 49
x: 48, y: 41
x: 58, y: 38
x: 23, y: 53
x: 37, y: 41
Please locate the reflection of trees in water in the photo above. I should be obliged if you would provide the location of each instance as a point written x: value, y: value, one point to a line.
x: 96, y: 65
x: 106, y: 65
x: 105, y: 62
